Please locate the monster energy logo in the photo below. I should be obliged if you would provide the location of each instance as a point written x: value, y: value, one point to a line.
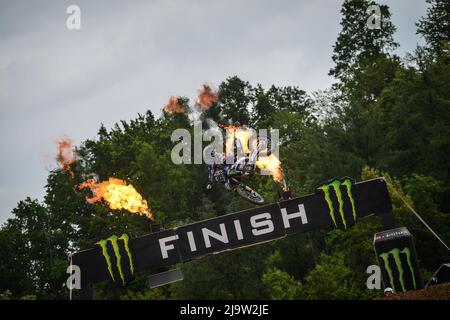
x: 396, y: 253
x: 115, y: 245
x: 335, y: 187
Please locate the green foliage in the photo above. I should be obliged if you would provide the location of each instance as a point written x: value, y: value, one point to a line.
x: 151, y: 294
x: 435, y: 27
x: 281, y: 285
x: 230, y: 275
x: 235, y: 100
x: 6, y: 295
x: 356, y: 41
x: 331, y: 279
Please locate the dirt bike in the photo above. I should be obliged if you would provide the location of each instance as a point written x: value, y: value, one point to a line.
x: 236, y: 184
x: 242, y: 169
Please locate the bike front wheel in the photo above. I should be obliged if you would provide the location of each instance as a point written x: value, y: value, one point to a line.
x: 249, y: 194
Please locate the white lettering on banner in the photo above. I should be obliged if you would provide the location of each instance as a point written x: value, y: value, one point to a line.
x: 222, y: 237
x: 260, y: 223
x: 164, y: 247
x: 301, y: 213
x: 191, y: 241
x: 266, y: 223
x: 237, y: 226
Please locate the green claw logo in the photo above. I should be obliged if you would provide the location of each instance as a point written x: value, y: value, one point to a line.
x: 396, y: 253
x: 335, y: 186
x: 115, y: 245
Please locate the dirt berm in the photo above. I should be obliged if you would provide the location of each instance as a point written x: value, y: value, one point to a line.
x: 436, y: 292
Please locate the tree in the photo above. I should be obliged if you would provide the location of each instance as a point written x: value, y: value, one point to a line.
x: 330, y: 279
x: 31, y: 262
x: 356, y: 41
x: 435, y: 26
x: 235, y: 100
x: 364, y: 66
x: 281, y: 285
x: 416, y: 105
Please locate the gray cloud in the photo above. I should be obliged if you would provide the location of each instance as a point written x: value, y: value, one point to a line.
x: 131, y: 57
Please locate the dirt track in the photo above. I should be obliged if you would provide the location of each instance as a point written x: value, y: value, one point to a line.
x: 437, y: 292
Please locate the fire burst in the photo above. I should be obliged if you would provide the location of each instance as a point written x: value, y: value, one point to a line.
x: 273, y: 165
x: 66, y: 155
x: 270, y: 163
x: 241, y: 134
x: 118, y: 195
x: 173, y: 106
x: 207, y: 97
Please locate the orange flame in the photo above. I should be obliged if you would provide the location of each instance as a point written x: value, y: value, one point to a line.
x: 207, y: 97
x: 118, y: 195
x: 66, y: 154
x: 172, y: 106
x: 238, y: 133
x: 273, y: 165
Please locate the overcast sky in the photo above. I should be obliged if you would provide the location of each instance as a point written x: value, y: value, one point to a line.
x: 130, y: 56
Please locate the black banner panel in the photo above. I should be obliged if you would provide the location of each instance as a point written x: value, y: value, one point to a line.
x: 336, y: 204
x: 156, y: 250
x: 372, y: 197
x: 230, y: 231
x: 92, y: 266
x: 110, y: 260
x: 397, y: 258
x: 304, y: 214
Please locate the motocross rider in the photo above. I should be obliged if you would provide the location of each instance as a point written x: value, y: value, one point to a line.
x: 229, y: 170
x: 212, y: 169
